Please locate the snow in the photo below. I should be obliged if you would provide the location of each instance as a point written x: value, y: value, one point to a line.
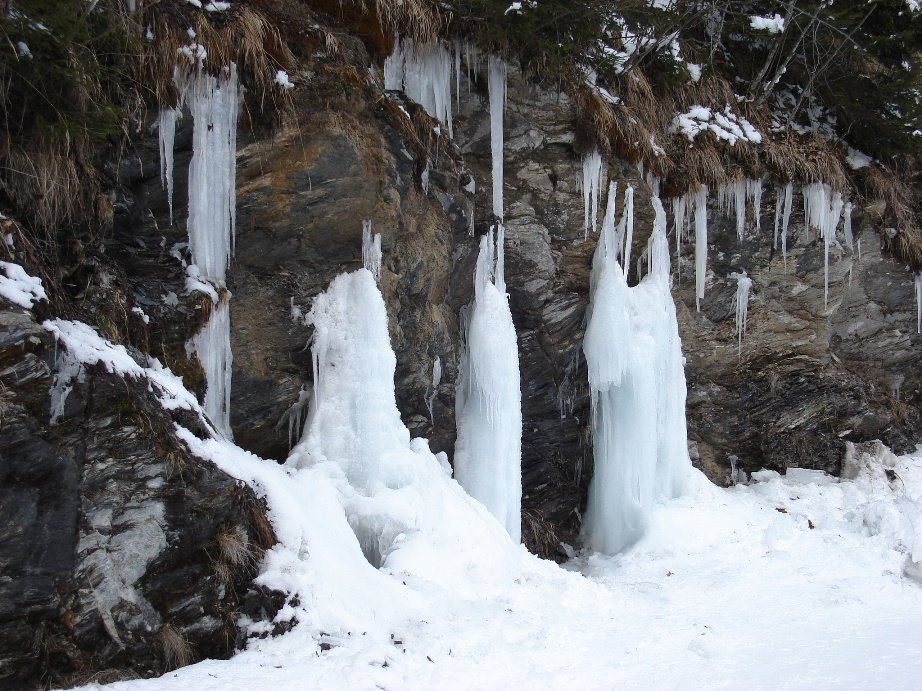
x: 741, y: 305
x: 423, y: 73
x: 592, y: 190
x: 19, y: 287
x: 281, y: 78
x: 725, y: 125
x: 497, y: 88
x: 721, y: 580
x: 637, y: 380
x: 856, y: 159
x: 773, y: 24
x: 488, y: 405
x: 371, y: 251
x: 701, y: 243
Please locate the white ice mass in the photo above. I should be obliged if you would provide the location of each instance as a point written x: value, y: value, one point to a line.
x: 637, y: 380
x: 488, y: 406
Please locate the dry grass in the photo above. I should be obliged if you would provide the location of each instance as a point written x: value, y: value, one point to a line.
x: 234, y: 547
x: 539, y: 534
x: 177, y: 652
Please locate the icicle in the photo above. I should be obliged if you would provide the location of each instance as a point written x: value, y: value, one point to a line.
x: 212, y: 346
x: 394, y: 66
x: 679, y: 205
x: 919, y: 302
x: 434, y: 388
x: 296, y: 416
x: 847, y: 226
x: 457, y: 47
x: 829, y: 235
x: 592, y: 189
x: 627, y: 219
x: 371, y: 250
x: 497, y: 90
x: 785, y: 219
x: 754, y: 193
x: 488, y: 396
x: 739, y: 200
x: 779, y: 203
x: 166, y: 128
x: 701, y: 243
x: 741, y: 304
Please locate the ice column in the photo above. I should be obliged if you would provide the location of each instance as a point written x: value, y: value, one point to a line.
x: 497, y: 89
x: 785, y: 219
x: 627, y: 227
x: 488, y: 403
x: 701, y: 243
x: 741, y: 305
x: 637, y: 382
x: 679, y: 206
x: 213, y: 102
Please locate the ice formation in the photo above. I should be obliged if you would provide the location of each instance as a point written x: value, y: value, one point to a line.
x: 847, y: 226
x: 626, y: 228
x: 919, y: 302
x: 701, y: 243
x: 785, y: 220
x: 592, y: 190
x: 213, y: 102
x: 434, y: 387
x: 166, y: 130
x: 497, y: 90
x: 212, y: 346
x: 422, y: 72
x: 371, y: 250
x: 822, y: 210
x: 754, y: 195
x: 488, y: 404
x: 637, y: 380
x: 680, y: 212
x: 741, y: 305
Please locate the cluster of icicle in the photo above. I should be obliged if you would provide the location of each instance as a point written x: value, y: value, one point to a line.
x: 822, y: 210
x: 741, y: 305
x: 422, y: 72
x: 213, y: 102
x: 637, y: 380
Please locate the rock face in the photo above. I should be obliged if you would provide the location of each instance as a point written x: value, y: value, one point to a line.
x: 120, y: 553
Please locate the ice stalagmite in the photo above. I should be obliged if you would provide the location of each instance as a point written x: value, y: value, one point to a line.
x: 634, y: 359
x: 741, y: 305
x: 497, y: 90
x: 701, y: 243
x: 488, y: 405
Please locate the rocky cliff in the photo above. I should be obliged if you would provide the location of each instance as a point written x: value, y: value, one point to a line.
x: 121, y: 552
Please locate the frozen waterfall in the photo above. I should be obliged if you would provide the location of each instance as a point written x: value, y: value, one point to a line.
x: 488, y: 404
x: 637, y: 380
x: 213, y: 102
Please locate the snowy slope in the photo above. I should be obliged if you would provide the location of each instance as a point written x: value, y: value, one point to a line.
x: 724, y: 591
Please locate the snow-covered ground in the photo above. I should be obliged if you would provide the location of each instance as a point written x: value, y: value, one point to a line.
x: 729, y: 588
